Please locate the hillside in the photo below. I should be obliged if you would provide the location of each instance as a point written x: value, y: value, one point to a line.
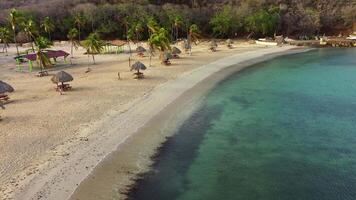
x: 295, y: 17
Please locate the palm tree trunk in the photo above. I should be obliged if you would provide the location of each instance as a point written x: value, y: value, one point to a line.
x: 71, y: 49
x: 150, y: 59
x: 93, y: 58
x: 79, y: 32
x: 17, y: 48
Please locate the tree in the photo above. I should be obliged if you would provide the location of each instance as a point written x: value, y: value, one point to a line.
x: 263, y: 22
x: 93, y: 44
x: 222, y: 22
x: 79, y: 21
x: 30, y: 29
x: 5, y: 37
x: 48, y: 26
x: 15, y: 18
x: 177, y: 24
x: 160, y: 41
x: 193, y: 35
x: 42, y: 43
x: 72, y: 36
x: 152, y: 26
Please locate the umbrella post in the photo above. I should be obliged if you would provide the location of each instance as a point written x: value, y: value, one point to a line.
x: 18, y: 64
x: 30, y: 65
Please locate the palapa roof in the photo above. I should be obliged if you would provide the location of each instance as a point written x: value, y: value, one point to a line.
x: 166, y: 56
x: 138, y: 66
x: 175, y: 50
x: 186, y: 45
x: 213, y: 43
x: 140, y: 49
x: 5, y: 87
x: 62, y: 77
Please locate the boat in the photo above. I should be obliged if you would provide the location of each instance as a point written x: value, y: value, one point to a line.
x: 266, y: 42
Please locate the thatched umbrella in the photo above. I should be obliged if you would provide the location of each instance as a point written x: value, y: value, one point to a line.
x: 166, y: 56
x: 140, y: 49
x: 176, y: 52
x: 61, y: 77
x: 4, y: 87
x: 213, y: 45
x: 138, y: 66
x: 229, y: 43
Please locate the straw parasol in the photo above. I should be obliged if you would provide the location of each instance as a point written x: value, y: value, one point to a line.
x: 140, y: 49
x: 61, y: 77
x: 176, y: 51
x: 186, y: 45
x: 166, y: 56
x: 213, y: 44
x: 138, y: 66
x: 4, y: 87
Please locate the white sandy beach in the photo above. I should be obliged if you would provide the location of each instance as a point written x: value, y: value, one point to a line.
x: 49, y: 143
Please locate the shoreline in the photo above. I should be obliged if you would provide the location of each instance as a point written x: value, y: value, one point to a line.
x: 63, y: 175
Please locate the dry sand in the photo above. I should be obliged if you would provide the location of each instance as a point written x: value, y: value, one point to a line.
x: 49, y: 142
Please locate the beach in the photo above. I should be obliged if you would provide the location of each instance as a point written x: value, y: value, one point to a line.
x: 50, y: 142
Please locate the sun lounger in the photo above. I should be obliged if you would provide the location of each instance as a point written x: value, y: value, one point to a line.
x: 166, y: 62
x: 139, y: 75
x: 64, y: 87
x: 42, y: 73
x: 4, y: 97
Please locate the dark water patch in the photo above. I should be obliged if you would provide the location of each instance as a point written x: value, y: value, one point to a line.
x: 186, y: 145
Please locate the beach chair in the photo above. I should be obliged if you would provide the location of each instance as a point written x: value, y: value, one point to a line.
x: 138, y: 75
x: 4, y: 97
x: 141, y: 54
x: 42, y: 73
x: 166, y: 62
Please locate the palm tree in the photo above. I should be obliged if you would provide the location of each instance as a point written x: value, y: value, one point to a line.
x: 152, y: 26
x: 79, y: 20
x: 138, y: 29
x: 177, y: 23
x: 48, y: 26
x: 15, y: 19
x: 30, y: 29
x: 160, y: 41
x: 5, y: 37
x: 72, y: 35
x: 93, y: 44
x: 193, y: 35
x: 41, y: 44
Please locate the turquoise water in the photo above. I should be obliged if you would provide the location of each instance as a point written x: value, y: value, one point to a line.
x: 281, y: 130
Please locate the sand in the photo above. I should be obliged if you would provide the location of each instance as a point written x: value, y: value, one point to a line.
x: 49, y: 143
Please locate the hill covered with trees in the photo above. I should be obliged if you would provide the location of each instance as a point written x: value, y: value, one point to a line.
x: 218, y: 18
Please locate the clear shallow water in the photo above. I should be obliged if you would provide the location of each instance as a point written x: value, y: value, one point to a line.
x: 283, y: 129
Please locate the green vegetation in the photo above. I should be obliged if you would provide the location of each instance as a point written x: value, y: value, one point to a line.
x: 237, y: 18
x: 72, y: 37
x: 42, y: 43
x: 93, y: 44
x: 48, y: 26
x: 5, y: 37
x: 263, y: 22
